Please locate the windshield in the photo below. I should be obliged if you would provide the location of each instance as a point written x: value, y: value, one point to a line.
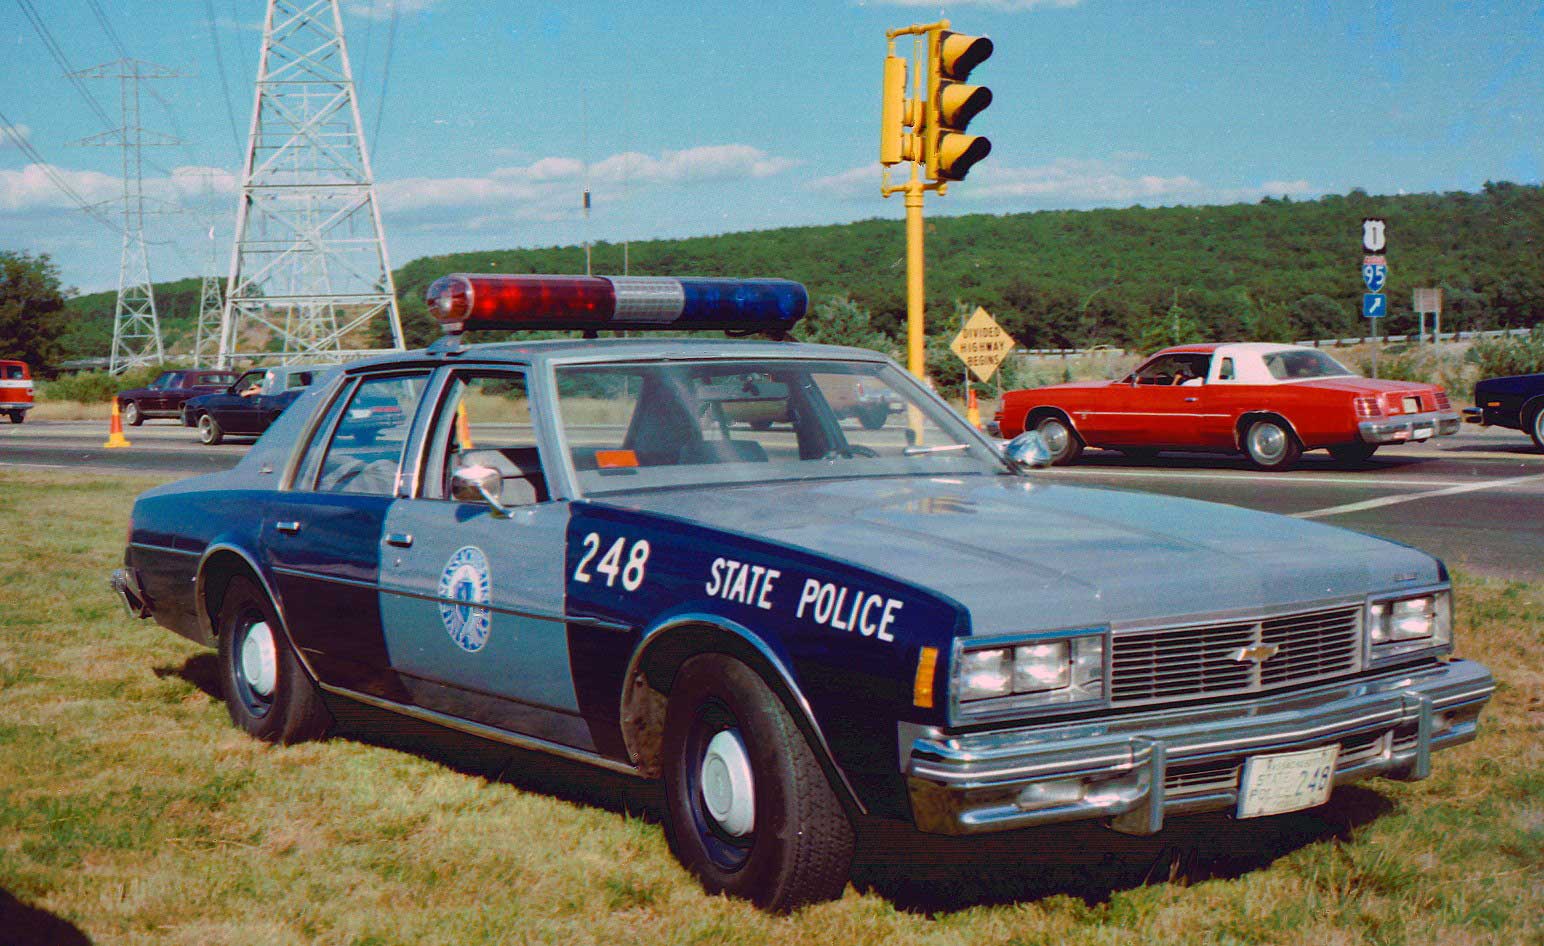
x: 1303, y: 363
x: 639, y: 426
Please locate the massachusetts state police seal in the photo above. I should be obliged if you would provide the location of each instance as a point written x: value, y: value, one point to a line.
x: 466, y: 581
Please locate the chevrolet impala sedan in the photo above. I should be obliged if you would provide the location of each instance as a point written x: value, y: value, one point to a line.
x: 1269, y: 402
x: 572, y: 546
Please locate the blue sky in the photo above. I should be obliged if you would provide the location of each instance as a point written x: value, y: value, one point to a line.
x: 696, y: 119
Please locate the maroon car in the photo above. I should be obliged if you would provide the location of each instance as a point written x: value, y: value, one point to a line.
x: 165, y: 395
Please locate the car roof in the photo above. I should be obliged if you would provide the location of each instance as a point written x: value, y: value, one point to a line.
x: 603, y: 350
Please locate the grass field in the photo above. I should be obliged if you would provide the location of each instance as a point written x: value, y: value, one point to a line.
x: 131, y: 811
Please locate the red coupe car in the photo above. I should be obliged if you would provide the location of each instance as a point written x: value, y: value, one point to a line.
x: 1270, y: 402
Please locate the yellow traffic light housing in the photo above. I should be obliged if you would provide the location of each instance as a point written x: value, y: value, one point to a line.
x: 895, y: 116
x: 951, y: 104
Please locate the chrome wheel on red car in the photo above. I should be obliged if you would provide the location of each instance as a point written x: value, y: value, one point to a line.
x: 1063, y: 442
x: 1270, y: 445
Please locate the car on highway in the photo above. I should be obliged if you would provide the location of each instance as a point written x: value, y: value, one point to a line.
x: 568, y: 546
x: 249, y: 404
x: 1270, y: 402
x: 1516, y: 402
x: 165, y: 396
x: 16, y: 395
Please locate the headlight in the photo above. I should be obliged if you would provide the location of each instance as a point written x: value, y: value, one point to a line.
x: 1048, y: 672
x: 1399, y: 626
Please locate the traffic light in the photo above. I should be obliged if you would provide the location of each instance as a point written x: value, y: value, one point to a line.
x: 951, y: 104
x: 895, y: 116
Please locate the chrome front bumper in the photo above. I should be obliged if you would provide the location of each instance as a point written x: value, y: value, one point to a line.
x: 1474, y: 415
x: 1403, y: 428
x: 1136, y: 769
x: 126, y: 583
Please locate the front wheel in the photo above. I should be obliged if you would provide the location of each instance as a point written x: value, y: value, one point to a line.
x: 209, y: 430
x: 265, y: 688
x: 132, y: 415
x: 747, y: 807
x: 1536, y: 427
x: 1354, y: 452
x: 1270, y: 445
x: 1063, y: 442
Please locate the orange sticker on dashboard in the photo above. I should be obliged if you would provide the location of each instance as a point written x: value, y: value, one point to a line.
x: 615, y: 459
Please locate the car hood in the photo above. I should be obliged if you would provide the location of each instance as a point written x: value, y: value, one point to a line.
x: 1025, y: 555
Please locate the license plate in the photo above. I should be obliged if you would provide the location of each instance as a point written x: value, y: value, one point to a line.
x: 1412, y: 405
x: 1421, y: 433
x: 1287, y: 781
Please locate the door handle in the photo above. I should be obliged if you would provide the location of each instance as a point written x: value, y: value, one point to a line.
x: 1190, y: 400
x: 289, y: 527
x: 401, y: 540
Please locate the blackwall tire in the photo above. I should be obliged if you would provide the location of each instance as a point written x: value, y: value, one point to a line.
x: 1063, y: 442
x: 1270, y: 445
x: 266, y: 690
x: 132, y: 415
x: 725, y: 729
x: 1536, y: 428
x: 209, y: 430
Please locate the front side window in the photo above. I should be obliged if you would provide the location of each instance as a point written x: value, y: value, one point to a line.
x: 366, y: 449
x: 1181, y: 368
x: 1303, y: 363
x: 697, y: 423
x: 485, y: 421
x: 249, y: 384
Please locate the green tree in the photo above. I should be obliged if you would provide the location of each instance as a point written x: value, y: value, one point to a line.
x: 30, y: 303
x: 840, y: 321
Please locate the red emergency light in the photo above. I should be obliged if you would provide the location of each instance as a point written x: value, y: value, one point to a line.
x: 465, y: 301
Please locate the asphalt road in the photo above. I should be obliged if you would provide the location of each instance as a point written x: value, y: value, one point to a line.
x: 1476, y: 498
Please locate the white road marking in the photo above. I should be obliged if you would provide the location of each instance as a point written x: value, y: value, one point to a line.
x: 1429, y: 494
x: 35, y: 466
x: 1307, y: 479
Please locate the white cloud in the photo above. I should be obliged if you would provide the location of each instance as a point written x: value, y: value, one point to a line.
x: 32, y: 189
x: 384, y: 9
x: 1069, y: 183
x: 8, y: 140
x: 549, y: 188
x: 1002, y: 6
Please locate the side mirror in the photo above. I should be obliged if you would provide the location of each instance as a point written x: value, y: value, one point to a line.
x: 479, y: 484
x: 1027, y: 452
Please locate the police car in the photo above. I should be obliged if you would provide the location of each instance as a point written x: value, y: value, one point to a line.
x: 599, y: 550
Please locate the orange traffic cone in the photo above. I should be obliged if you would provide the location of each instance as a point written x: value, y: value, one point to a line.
x: 463, y: 427
x: 115, y: 437
x: 972, y: 409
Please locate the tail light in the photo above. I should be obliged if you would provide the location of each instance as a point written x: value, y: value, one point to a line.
x: 1367, y: 407
x: 1443, y: 404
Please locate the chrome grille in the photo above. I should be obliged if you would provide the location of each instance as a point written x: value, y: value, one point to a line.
x: 1205, y: 660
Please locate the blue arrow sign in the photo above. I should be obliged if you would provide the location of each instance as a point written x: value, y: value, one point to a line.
x: 1374, y: 276
x: 1374, y: 305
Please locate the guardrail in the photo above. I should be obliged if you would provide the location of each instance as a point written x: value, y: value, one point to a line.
x: 1387, y: 339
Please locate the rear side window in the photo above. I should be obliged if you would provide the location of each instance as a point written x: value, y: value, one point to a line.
x: 12, y: 372
x: 365, y: 452
x: 1225, y: 372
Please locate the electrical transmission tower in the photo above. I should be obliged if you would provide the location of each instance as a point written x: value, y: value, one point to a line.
x: 206, y: 338
x: 136, y: 328
x: 309, y: 277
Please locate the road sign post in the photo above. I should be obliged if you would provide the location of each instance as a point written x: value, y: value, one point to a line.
x: 1375, y: 277
x: 981, y: 345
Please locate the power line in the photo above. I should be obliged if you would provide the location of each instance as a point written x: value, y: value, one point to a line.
x: 20, y: 140
x: 219, y: 60
x: 112, y: 36
x: 391, y: 45
x: 63, y: 61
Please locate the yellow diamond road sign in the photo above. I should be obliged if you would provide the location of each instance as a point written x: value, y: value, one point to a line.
x: 982, y: 344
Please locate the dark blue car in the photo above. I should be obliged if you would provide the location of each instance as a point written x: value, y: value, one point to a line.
x: 1516, y: 402
x: 249, y: 405
x: 585, y: 548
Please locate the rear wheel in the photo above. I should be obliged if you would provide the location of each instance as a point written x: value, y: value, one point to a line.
x: 18, y: 417
x: 747, y: 807
x: 209, y: 430
x: 1536, y: 427
x: 132, y: 415
x: 873, y: 416
x: 266, y: 690
x: 1354, y: 452
x: 1270, y: 445
x: 1063, y: 442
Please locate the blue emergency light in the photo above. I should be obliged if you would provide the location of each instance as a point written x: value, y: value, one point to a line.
x: 465, y: 301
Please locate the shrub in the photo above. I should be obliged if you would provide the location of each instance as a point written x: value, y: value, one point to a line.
x: 1498, y: 357
x: 95, y: 387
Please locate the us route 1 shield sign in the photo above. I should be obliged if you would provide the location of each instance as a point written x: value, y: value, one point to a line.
x: 982, y: 344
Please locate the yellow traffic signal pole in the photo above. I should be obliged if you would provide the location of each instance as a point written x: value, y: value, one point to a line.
x: 914, y: 188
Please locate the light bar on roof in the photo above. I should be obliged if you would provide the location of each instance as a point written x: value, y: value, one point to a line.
x: 465, y: 301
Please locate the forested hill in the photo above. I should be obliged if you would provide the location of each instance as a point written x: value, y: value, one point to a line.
x: 1277, y: 269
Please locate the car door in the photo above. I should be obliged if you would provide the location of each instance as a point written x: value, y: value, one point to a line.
x: 1168, y: 400
x: 322, y: 536
x: 473, y: 600
x: 240, y: 413
x: 159, y: 396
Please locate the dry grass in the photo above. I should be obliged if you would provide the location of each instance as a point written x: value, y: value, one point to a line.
x: 132, y: 812
x: 70, y: 410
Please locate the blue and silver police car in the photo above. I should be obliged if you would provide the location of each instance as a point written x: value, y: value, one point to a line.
x: 675, y: 558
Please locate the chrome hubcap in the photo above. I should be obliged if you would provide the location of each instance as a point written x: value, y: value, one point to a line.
x: 1267, y: 442
x: 1055, y: 437
x: 728, y: 789
x: 259, y: 659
